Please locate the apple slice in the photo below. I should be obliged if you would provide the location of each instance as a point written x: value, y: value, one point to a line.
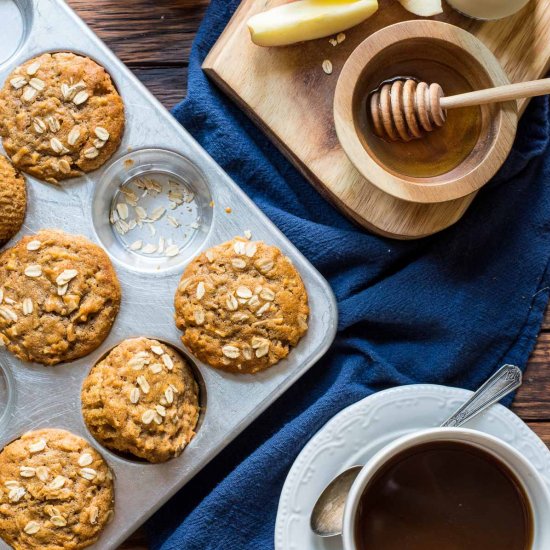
x: 307, y: 20
x: 424, y: 8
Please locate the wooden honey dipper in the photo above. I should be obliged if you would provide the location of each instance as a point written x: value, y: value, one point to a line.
x: 405, y: 109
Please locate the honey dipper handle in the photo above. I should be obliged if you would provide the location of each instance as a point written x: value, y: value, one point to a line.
x: 498, y: 94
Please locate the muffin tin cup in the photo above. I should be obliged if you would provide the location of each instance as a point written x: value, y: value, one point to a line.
x: 34, y: 396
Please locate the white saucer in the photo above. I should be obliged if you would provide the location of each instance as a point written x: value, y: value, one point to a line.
x: 358, y: 432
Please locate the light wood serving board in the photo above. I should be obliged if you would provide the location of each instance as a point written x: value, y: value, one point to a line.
x: 290, y: 97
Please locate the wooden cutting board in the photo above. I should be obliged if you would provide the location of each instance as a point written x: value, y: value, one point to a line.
x: 287, y: 93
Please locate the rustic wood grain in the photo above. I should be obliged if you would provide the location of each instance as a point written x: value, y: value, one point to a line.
x: 168, y: 84
x: 280, y: 88
x: 144, y: 32
x: 158, y: 54
x: 533, y: 398
x: 542, y: 429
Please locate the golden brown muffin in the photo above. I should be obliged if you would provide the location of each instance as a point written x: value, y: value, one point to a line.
x: 61, y: 116
x: 56, y: 492
x: 142, y: 399
x: 60, y: 297
x: 13, y: 200
x: 241, y: 306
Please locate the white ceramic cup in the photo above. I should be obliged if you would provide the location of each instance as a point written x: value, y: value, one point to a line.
x: 534, y: 485
x: 488, y: 9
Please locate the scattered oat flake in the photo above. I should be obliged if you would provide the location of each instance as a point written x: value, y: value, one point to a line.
x: 94, y: 513
x: 157, y: 213
x: 340, y: 37
x: 167, y: 360
x: 66, y: 276
x: 88, y: 473
x: 33, y: 270
x: 141, y: 212
x: 169, y: 395
x: 152, y: 230
x: 33, y: 68
x: 27, y: 306
x: 127, y: 192
x: 34, y: 245
x: 248, y: 234
x: 136, y: 245
x: 194, y: 225
x: 122, y: 210
x: 148, y: 416
x: 152, y: 185
x: 57, y: 483
x: 85, y: 459
x: 37, y: 446
x: 172, y: 250
x: 32, y: 528
x: 327, y: 66
x: 58, y: 521
x: 333, y: 41
x: 149, y: 249
x: 134, y: 395
x: 173, y: 222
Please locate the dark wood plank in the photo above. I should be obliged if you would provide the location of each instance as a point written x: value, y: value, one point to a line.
x: 151, y: 32
x: 533, y: 398
x: 542, y: 429
x: 168, y: 84
x: 546, y: 322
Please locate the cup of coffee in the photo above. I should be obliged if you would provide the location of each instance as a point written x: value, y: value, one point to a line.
x: 451, y: 488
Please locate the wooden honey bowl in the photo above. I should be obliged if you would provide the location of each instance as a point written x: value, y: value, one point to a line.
x: 450, y: 162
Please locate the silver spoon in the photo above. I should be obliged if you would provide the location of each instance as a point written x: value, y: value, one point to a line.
x: 328, y: 512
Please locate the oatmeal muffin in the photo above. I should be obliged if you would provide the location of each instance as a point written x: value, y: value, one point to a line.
x: 142, y: 399
x: 13, y: 200
x: 59, y: 296
x: 61, y: 116
x: 56, y: 492
x: 241, y: 306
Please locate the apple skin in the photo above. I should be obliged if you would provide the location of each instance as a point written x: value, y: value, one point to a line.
x: 424, y: 8
x: 307, y: 20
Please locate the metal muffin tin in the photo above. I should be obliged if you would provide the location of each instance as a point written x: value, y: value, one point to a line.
x: 33, y: 396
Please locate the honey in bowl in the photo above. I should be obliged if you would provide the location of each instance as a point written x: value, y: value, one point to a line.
x: 441, y: 150
x: 444, y: 495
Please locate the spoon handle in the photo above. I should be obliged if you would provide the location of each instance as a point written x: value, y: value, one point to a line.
x: 504, y: 381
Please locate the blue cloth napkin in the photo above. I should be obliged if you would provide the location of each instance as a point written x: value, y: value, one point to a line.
x: 448, y: 309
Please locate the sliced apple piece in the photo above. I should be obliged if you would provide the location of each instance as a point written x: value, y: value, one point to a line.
x: 307, y: 20
x: 424, y: 8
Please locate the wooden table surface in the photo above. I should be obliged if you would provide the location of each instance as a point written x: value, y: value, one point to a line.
x: 153, y: 37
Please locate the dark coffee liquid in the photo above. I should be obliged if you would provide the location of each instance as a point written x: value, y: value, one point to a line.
x: 444, y: 496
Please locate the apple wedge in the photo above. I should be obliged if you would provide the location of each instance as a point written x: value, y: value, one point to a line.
x: 307, y: 20
x: 424, y: 8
